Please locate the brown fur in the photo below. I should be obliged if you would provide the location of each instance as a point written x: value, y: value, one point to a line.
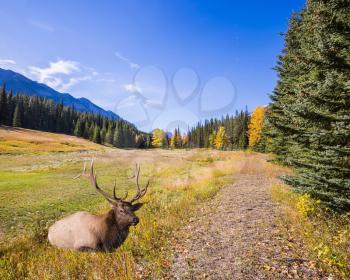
x: 83, y: 231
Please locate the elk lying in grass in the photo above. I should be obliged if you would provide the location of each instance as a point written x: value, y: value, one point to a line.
x: 83, y: 231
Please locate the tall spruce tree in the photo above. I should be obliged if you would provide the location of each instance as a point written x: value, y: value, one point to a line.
x: 17, y: 117
x: 3, y: 106
x: 310, y: 110
x: 97, y: 135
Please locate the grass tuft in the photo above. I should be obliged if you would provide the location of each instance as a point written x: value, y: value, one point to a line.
x: 325, y: 233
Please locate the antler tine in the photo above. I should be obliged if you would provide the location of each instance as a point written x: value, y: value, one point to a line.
x: 93, y: 180
x: 137, y: 176
x: 114, y: 194
x: 81, y: 174
x: 140, y: 193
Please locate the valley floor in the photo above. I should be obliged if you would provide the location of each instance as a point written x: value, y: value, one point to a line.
x: 208, y: 214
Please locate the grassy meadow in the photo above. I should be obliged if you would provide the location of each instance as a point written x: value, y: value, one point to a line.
x: 37, y: 188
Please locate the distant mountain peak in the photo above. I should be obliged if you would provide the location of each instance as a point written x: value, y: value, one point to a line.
x: 19, y: 83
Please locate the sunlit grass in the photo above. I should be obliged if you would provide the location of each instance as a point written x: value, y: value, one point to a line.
x: 326, y: 234
x: 36, y: 191
x: 17, y: 141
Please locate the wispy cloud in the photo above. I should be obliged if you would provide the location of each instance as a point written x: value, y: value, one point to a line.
x: 41, y: 25
x: 59, y: 67
x: 62, y: 74
x: 7, y: 62
x: 132, y: 88
x: 124, y: 59
x: 73, y: 81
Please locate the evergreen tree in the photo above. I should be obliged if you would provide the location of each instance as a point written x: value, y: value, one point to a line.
x: 3, y: 106
x: 174, y: 140
x: 109, y: 135
x: 117, y: 139
x: 78, y: 131
x: 309, y: 112
x: 97, y: 135
x: 103, y: 134
x: 17, y: 117
x: 11, y: 106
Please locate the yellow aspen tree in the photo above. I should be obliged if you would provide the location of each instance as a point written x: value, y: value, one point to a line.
x: 220, y: 138
x: 255, y: 126
x: 157, y: 138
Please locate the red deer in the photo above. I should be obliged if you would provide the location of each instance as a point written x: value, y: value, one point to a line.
x: 83, y: 231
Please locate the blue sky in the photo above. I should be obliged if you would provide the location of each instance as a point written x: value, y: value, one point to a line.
x: 155, y: 63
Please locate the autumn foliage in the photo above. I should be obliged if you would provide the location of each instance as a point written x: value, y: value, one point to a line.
x: 255, y: 126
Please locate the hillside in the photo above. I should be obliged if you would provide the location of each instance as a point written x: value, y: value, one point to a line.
x: 24, y: 141
x: 18, y: 83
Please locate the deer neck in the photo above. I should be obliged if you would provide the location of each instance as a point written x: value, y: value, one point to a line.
x: 115, y: 233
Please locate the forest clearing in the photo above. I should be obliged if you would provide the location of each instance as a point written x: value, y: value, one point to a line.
x: 189, y: 189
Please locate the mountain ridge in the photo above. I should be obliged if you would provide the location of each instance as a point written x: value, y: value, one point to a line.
x: 19, y: 83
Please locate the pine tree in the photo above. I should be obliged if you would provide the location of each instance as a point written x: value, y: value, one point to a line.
x: 280, y: 111
x: 109, y: 135
x: 78, y: 131
x: 166, y: 140
x: 97, y: 135
x: 174, y: 140
x: 116, y: 138
x: 11, y: 106
x: 3, y: 106
x: 17, y: 117
x: 309, y: 113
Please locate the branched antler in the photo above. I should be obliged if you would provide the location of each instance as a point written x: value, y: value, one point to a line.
x: 91, y: 176
x: 140, y: 192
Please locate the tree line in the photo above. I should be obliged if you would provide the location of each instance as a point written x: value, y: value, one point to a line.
x: 228, y: 133
x: 307, y: 124
x: 38, y: 113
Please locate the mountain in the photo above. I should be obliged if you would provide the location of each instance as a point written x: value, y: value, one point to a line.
x: 19, y: 83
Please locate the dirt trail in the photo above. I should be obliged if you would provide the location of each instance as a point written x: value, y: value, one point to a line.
x: 234, y: 236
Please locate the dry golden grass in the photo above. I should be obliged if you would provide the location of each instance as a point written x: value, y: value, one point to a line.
x: 37, y: 188
x: 20, y: 141
x: 325, y: 234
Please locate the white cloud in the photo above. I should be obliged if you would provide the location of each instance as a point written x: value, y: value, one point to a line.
x: 59, y: 67
x: 131, y: 64
x: 72, y: 81
x: 41, y: 25
x: 60, y: 75
x: 132, y: 88
x: 7, y: 62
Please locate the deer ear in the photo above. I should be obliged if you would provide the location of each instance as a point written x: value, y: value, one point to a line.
x: 136, y: 206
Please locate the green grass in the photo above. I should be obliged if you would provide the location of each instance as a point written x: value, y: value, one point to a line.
x: 36, y: 190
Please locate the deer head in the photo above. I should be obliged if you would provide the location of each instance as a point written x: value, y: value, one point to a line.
x: 123, y: 209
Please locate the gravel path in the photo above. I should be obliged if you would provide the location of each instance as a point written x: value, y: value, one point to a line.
x: 234, y: 236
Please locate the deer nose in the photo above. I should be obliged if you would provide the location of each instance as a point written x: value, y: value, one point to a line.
x: 135, y: 221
